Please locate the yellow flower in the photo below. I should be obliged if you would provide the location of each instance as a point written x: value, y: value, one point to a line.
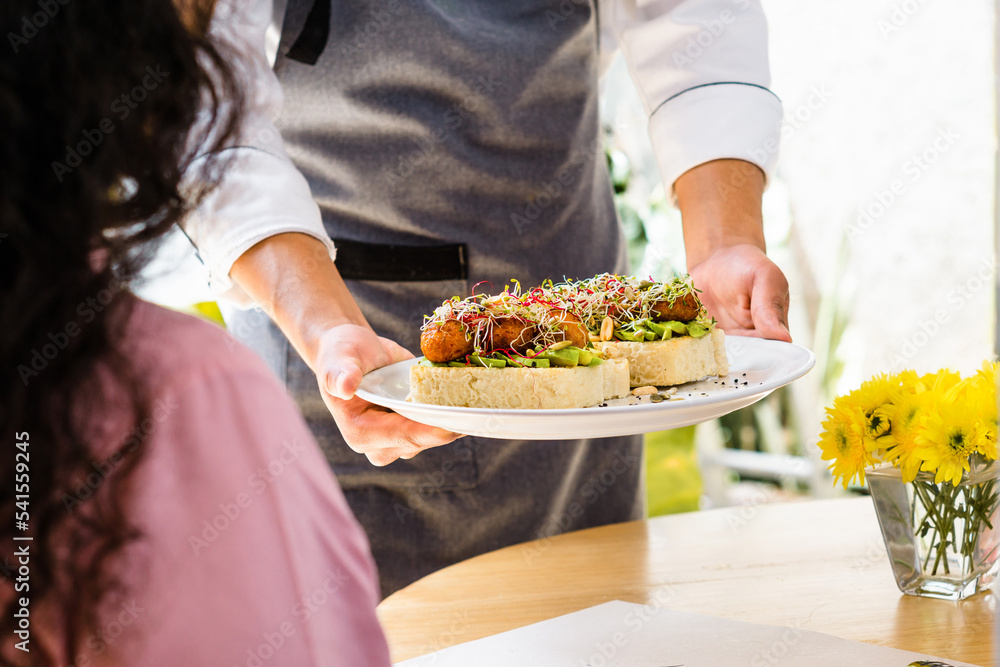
x: 941, y: 381
x: 842, y: 440
x: 908, y: 381
x: 907, y: 421
x: 980, y: 392
x: 988, y: 372
x: 918, y: 423
x: 876, y: 400
x: 987, y: 442
x: 949, y: 436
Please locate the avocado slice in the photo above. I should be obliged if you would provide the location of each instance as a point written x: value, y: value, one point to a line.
x: 656, y: 328
x: 677, y: 327
x: 487, y: 362
x: 568, y: 357
x: 534, y: 362
x: 635, y: 337
x: 696, y: 330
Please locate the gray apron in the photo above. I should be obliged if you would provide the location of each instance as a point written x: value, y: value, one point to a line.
x: 456, y: 122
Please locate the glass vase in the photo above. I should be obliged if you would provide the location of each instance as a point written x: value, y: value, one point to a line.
x: 940, y: 538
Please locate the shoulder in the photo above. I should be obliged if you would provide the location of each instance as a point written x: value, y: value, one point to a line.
x: 167, y: 347
x: 233, y: 495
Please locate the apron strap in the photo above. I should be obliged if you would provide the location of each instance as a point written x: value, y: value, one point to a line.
x: 312, y: 40
x: 357, y: 260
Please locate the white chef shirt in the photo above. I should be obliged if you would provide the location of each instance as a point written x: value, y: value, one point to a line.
x: 700, y: 66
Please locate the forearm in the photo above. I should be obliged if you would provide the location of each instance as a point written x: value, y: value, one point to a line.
x: 720, y: 203
x: 292, y: 277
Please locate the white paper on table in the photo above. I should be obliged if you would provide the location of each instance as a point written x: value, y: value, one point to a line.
x: 623, y: 634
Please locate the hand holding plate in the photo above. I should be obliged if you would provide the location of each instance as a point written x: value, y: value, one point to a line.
x: 346, y: 353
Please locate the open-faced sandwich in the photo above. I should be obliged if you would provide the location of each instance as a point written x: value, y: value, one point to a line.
x: 661, y: 328
x: 566, y: 345
x: 511, y: 351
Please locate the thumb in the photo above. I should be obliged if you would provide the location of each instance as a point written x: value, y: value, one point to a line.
x: 342, y: 377
x: 349, y: 363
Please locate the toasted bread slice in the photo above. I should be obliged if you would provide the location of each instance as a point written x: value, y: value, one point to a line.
x: 519, y: 388
x: 663, y: 363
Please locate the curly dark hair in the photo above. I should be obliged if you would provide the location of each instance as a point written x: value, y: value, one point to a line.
x: 97, y: 106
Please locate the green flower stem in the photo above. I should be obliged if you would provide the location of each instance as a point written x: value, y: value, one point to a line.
x: 939, y: 522
x: 944, y: 506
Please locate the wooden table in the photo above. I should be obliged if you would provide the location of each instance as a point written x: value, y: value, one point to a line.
x: 818, y: 565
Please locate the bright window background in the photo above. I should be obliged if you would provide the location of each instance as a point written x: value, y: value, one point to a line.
x: 882, y: 95
x: 881, y: 213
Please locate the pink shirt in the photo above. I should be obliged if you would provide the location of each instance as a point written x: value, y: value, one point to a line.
x: 251, y: 556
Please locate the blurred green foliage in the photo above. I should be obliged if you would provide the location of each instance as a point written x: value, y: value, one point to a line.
x: 673, y: 481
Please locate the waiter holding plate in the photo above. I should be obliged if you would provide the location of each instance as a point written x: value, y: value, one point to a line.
x: 396, y: 153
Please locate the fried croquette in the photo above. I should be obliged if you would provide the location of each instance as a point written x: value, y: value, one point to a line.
x: 445, y: 341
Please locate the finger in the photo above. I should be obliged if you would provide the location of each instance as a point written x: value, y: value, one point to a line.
x: 734, y: 320
x: 747, y: 333
x: 769, y: 322
x: 410, y: 449
x: 383, y: 457
x: 734, y: 313
x: 367, y: 427
x: 741, y: 316
x: 395, y: 351
x: 395, y: 430
x: 769, y: 304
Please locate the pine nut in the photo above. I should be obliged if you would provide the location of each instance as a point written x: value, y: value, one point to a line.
x: 607, y: 329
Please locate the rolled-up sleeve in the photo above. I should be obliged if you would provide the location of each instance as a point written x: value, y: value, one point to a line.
x: 701, y: 69
x: 261, y: 193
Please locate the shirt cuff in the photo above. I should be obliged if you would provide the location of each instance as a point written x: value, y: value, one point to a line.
x: 714, y: 122
x: 222, y: 286
x: 261, y: 195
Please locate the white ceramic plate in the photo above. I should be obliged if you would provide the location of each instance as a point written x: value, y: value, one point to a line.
x: 756, y: 368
